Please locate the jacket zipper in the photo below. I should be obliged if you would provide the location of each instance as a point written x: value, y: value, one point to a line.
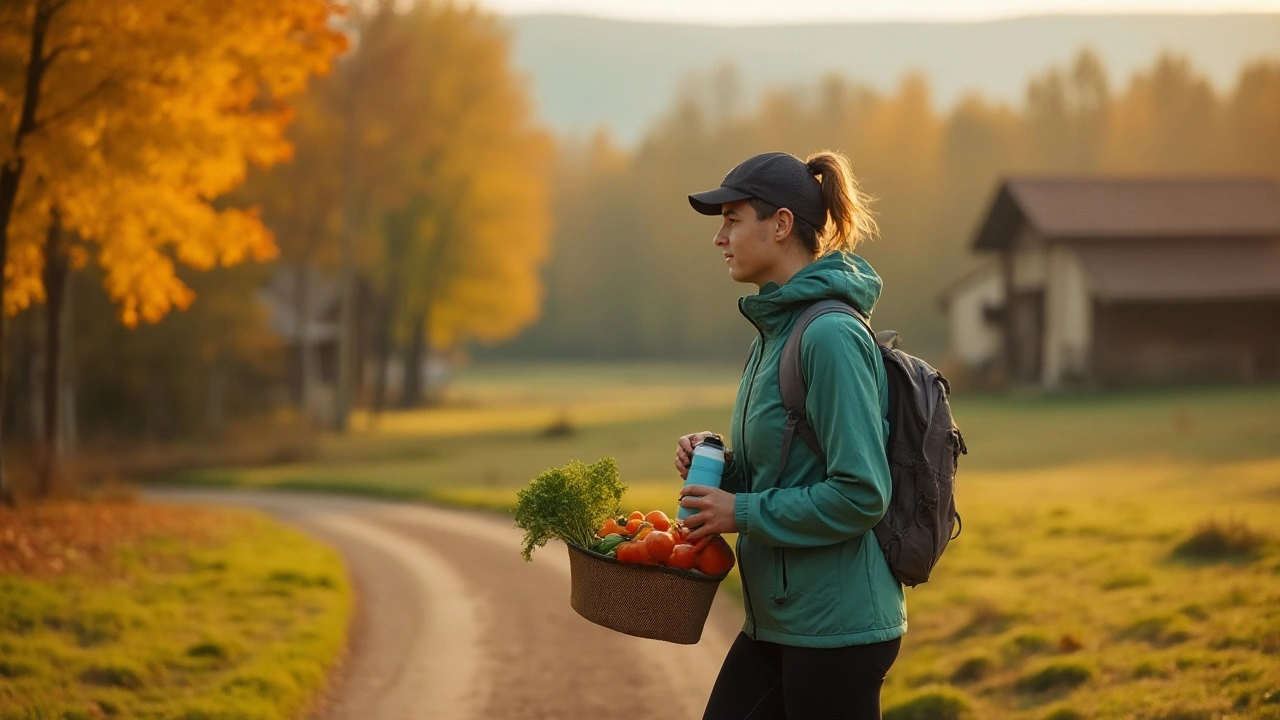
x: 746, y: 469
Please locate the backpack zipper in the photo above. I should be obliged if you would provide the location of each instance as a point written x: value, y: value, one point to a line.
x: 746, y: 468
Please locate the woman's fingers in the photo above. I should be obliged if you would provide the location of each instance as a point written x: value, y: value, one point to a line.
x: 684, y: 450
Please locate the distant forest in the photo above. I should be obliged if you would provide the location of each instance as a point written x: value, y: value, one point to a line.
x: 633, y: 274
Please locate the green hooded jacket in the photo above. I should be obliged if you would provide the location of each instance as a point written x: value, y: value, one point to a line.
x: 812, y: 572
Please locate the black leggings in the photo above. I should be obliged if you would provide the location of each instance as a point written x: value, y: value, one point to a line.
x: 763, y: 681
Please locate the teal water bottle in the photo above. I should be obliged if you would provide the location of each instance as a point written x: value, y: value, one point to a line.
x: 706, y: 469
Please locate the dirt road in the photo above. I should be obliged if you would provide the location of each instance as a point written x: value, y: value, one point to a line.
x: 451, y: 623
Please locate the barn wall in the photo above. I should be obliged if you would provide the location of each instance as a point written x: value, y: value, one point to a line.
x: 1030, y: 267
x: 1068, y: 318
x: 1141, y: 343
x: 975, y: 342
x: 1028, y: 271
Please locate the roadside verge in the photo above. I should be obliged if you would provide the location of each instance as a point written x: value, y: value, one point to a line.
x: 150, y: 610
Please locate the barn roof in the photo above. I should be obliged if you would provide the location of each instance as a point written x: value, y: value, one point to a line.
x: 1188, y: 270
x: 1071, y: 208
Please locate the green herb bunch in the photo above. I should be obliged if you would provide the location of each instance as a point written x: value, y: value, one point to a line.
x: 568, y: 503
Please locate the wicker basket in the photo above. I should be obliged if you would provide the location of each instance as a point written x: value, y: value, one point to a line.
x: 649, y: 601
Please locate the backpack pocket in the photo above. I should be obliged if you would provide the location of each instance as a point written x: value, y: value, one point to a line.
x: 908, y: 532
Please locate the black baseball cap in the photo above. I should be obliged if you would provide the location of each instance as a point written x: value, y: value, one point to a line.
x: 778, y: 178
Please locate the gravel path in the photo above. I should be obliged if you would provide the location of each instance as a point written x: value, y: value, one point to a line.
x: 451, y: 623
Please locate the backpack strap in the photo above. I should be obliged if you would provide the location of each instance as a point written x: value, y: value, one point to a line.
x: 792, y: 383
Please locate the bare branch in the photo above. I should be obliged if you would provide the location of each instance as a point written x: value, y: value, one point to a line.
x: 52, y: 8
x: 77, y: 105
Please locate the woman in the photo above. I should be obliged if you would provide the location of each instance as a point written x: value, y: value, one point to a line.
x: 824, y: 615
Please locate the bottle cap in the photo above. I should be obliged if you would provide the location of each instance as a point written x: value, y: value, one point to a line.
x: 713, y: 441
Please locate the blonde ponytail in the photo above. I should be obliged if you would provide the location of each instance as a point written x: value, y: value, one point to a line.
x: 850, y: 220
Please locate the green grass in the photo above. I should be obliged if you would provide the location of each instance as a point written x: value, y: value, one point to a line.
x: 493, y: 432
x: 1203, y: 424
x: 1119, y: 559
x: 245, y: 627
x: 1069, y: 590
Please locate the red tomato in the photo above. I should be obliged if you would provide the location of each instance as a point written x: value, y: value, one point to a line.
x: 636, y: 515
x: 633, y: 525
x: 716, y: 558
x: 659, y: 544
x: 683, y: 556
x: 642, y: 554
x: 659, y: 519
x: 627, y: 552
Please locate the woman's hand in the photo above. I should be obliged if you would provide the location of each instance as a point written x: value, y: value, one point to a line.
x: 684, y: 450
x: 715, y: 511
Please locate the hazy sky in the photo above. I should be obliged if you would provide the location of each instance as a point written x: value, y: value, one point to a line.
x: 738, y: 12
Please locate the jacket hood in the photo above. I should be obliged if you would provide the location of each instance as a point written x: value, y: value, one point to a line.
x: 840, y: 275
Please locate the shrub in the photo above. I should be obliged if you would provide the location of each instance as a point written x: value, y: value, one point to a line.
x: 26, y: 605
x: 213, y: 653
x: 1126, y: 580
x: 1189, y: 714
x: 113, y: 674
x: 561, y: 427
x: 987, y: 619
x: 1149, y: 669
x: 98, y: 627
x: 1055, y: 676
x: 292, y: 577
x: 972, y: 670
x: 1195, y: 612
x: 1069, y: 643
x: 1148, y: 628
x: 13, y: 669
x: 1066, y: 713
x: 1232, y: 539
x: 1161, y: 630
x: 935, y: 704
x: 1029, y: 644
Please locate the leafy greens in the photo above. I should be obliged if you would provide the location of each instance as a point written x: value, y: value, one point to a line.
x: 568, y: 503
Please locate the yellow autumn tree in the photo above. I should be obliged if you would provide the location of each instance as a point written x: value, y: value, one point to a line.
x: 300, y: 202
x: 461, y: 173
x: 121, y: 124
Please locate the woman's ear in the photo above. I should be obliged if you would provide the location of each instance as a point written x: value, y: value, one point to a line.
x: 784, y: 221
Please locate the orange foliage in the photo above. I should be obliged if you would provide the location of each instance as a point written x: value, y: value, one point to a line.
x: 147, y: 114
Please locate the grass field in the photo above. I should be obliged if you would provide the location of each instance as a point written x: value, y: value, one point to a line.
x: 143, y: 611
x: 1120, y: 555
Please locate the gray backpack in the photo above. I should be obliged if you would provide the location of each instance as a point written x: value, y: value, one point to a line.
x: 923, y: 449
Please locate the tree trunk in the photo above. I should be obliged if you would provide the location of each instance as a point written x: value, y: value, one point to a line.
x: 55, y: 284
x: 306, y: 360
x: 214, y: 404
x: 431, y: 394
x: 11, y: 176
x: 412, y: 395
x: 346, y: 274
x: 22, y: 417
x: 382, y: 351
x: 346, y: 333
x: 69, y: 429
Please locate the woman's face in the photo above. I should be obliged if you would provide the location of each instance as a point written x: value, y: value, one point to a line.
x: 749, y: 244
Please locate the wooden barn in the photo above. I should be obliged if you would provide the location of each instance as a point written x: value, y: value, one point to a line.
x: 1110, y: 281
